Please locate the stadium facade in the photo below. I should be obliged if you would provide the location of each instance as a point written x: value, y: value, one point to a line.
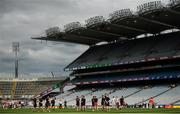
x: 140, y: 59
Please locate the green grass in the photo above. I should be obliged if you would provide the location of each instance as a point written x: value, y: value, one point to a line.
x: 73, y: 111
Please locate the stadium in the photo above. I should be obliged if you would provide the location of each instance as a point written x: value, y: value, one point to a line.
x: 134, y: 56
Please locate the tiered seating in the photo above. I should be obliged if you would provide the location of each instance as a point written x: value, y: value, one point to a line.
x: 177, y: 102
x: 18, y: 89
x: 169, y: 96
x: 146, y: 93
x: 5, y: 89
x: 133, y: 76
x: 65, y: 94
x: 125, y: 92
x: 155, y: 46
x: 162, y: 94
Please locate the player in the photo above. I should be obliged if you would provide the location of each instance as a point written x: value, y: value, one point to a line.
x: 151, y: 103
x: 113, y: 102
x: 34, y: 104
x: 65, y: 104
x: 103, y: 102
x: 94, y: 103
x: 121, y: 102
x: 107, y: 104
x: 77, y: 103
x: 47, y: 104
x: 53, y: 102
x: 117, y: 102
x: 83, y: 103
x: 60, y: 103
x: 92, y: 100
x: 41, y: 104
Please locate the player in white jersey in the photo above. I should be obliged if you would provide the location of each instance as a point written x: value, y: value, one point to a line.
x: 113, y: 102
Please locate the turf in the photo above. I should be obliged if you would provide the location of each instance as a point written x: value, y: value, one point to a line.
x: 73, y: 111
x: 89, y: 113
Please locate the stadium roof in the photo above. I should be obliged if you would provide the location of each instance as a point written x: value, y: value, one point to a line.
x: 150, y: 18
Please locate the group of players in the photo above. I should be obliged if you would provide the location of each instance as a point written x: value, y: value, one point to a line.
x: 39, y: 104
x: 105, y: 103
x: 46, y: 103
x: 115, y: 102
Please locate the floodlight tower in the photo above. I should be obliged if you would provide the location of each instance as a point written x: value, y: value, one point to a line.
x: 15, y: 46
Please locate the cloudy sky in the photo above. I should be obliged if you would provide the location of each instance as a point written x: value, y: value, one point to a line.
x: 22, y: 19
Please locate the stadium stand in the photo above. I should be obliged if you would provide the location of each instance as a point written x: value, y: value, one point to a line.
x: 133, y: 50
x: 139, y: 60
x: 128, y: 77
x: 169, y: 97
x: 133, y: 95
x: 16, y: 89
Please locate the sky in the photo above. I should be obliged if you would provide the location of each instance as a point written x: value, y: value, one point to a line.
x: 22, y: 19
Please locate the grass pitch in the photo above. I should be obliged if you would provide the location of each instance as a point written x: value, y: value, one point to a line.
x: 73, y: 111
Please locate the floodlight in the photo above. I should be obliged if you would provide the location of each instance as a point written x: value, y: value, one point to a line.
x: 120, y: 14
x: 52, y: 31
x: 93, y: 21
x: 72, y: 26
x: 150, y: 6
